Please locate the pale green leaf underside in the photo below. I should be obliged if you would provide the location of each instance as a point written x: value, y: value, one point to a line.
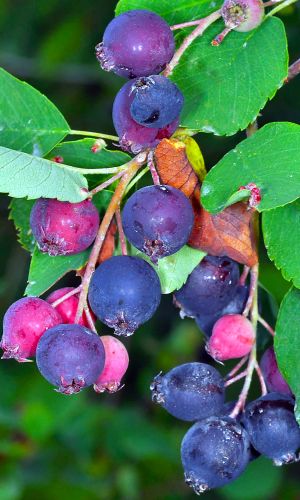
x: 281, y: 229
x: 45, y: 271
x: 26, y: 176
x: 270, y: 159
x: 20, y: 209
x: 29, y: 122
x: 287, y: 343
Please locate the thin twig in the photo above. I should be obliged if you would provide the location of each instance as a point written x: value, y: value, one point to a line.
x: 90, y: 319
x: 279, y: 7
x: 202, y: 26
x: 236, y: 378
x: 237, y: 367
x: 107, y: 183
x: 66, y: 296
x: 152, y: 168
x: 266, y: 325
x: 261, y: 379
x: 294, y: 70
x: 133, y: 166
x: 122, y: 238
x: 86, y: 133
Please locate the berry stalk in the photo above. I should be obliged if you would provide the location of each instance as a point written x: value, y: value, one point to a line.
x: 294, y: 70
x: 132, y: 167
x: 86, y: 133
x: 121, y: 232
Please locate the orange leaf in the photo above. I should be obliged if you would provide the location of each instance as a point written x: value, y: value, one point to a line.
x: 108, y: 246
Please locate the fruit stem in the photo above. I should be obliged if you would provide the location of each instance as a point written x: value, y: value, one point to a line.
x: 94, y: 134
x: 236, y: 378
x: 237, y: 367
x: 244, y: 275
x: 264, y: 390
x: 132, y: 167
x: 253, y: 289
x: 90, y: 319
x: 294, y: 70
x: 268, y: 327
x: 66, y: 296
x: 185, y: 25
x: 219, y: 38
x: 203, y: 24
x: 279, y: 7
x: 107, y: 183
x: 122, y: 238
x: 153, y: 171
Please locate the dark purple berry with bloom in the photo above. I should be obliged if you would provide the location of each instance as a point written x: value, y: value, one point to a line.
x: 273, y: 378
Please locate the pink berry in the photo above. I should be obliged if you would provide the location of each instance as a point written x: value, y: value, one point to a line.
x: 116, y: 364
x: 242, y: 15
x: 68, y: 308
x: 273, y: 378
x: 232, y: 337
x: 63, y: 228
x: 24, y: 323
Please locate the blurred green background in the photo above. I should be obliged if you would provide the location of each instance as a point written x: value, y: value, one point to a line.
x: 121, y: 446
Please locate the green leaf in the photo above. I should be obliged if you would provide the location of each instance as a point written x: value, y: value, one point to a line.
x: 45, y: 271
x: 287, y: 343
x: 281, y: 229
x: 175, y: 12
x: 23, y: 175
x: 270, y: 159
x: 20, y: 209
x: 102, y: 199
x: 174, y: 270
x: 225, y: 87
x: 29, y: 122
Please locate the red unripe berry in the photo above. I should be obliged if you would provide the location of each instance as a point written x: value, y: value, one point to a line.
x: 242, y: 15
x: 68, y: 308
x: 232, y: 337
x: 273, y: 378
x: 63, y: 228
x: 24, y: 323
x: 116, y: 364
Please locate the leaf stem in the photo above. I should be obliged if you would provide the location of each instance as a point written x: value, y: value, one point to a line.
x: 86, y: 133
x: 132, y: 167
x: 121, y: 232
x: 279, y: 7
x: 202, y: 25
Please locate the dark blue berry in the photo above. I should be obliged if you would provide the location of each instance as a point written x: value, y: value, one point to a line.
x: 190, y: 392
x: 157, y: 101
x: 214, y: 452
x: 272, y: 427
x: 124, y: 293
x: 70, y: 357
x: 158, y: 220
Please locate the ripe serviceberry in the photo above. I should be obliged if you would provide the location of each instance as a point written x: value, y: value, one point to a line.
x: 240, y: 15
x: 68, y: 308
x: 70, y: 357
x: 190, y: 392
x: 136, y: 43
x: 158, y: 220
x: 209, y: 288
x: 124, y: 293
x: 273, y: 378
x: 157, y: 101
x: 272, y: 427
x: 232, y: 337
x: 116, y: 364
x: 214, y: 452
x: 23, y: 325
x: 134, y: 137
x: 63, y: 228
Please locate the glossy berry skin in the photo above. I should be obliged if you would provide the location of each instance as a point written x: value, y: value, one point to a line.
x: 232, y: 337
x: 136, y: 43
x: 190, y: 392
x: 242, y: 15
x: 68, y: 308
x: 158, y: 220
x: 70, y: 357
x: 116, y: 364
x: 209, y: 288
x: 272, y: 427
x: 236, y: 306
x: 63, y: 228
x: 134, y: 137
x: 214, y: 452
x: 273, y: 378
x: 157, y: 101
x: 25, y: 321
x: 124, y: 293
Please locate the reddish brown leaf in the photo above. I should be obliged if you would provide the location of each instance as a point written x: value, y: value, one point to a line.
x: 108, y: 246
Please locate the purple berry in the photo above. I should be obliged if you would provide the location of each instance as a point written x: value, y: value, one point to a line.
x: 70, y: 357
x: 273, y: 378
x: 63, y: 228
x: 133, y: 136
x: 157, y: 101
x: 136, y: 43
x: 158, y: 220
x: 24, y: 323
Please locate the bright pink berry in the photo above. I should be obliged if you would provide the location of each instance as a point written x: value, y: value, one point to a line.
x: 63, y: 228
x: 273, y: 378
x: 232, y: 337
x: 24, y: 323
x: 116, y: 364
x: 68, y: 308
